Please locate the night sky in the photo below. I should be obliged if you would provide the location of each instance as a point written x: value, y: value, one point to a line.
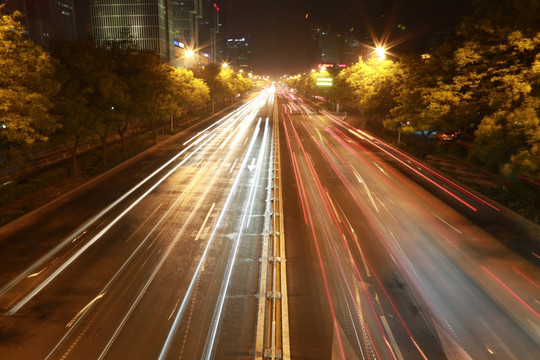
x: 279, y: 29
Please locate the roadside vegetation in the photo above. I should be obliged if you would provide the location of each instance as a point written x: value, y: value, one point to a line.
x: 483, y: 86
x: 79, y: 95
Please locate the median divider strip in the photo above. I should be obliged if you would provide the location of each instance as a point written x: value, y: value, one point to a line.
x: 273, y: 319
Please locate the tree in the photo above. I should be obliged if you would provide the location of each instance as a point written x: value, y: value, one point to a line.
x: 190, y: 91
x: 374, y: 85
x: 145, y: 78
x: 424, y: 102
x: 497, y: 67
x: 219, y: 80
x: 27, y: 86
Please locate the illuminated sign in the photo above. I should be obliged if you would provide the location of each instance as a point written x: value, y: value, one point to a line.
x: 179, y: 44
x: 215, y: 6
x: 324, y: 81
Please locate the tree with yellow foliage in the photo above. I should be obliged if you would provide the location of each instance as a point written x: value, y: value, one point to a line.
x: 26, y: 87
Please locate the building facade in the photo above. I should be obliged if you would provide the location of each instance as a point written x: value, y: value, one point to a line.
x: 46, y: 19
x: 238, y: 52
x: 209, y: 30
x: 186, y: 15
x: 146, y: 22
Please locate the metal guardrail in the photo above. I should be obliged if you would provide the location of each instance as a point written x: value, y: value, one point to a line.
x: 276, y: 341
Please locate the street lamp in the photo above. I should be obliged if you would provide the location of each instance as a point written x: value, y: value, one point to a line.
x: 189, y: 54
x: 381, y: 52
x: 225, y: 65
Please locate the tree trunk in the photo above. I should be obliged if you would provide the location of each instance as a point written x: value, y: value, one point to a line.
x: 153, y: 130
x: 172, y: 124
x: 103, y: 139
x: 121, y: 132
x: 138, y: 131
x: 9, y: 151
x: 74, y: 157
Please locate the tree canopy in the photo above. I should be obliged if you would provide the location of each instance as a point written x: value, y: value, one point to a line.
x: 27, y: 86
x: 483, y: 81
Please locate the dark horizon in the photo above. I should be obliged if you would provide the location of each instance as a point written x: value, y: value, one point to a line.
x: 279, y: 30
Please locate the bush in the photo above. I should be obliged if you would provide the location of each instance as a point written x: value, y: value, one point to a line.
x: 88, y: 161
x: 49, y: 177
x: 458, y: 150
x: 443, y: 147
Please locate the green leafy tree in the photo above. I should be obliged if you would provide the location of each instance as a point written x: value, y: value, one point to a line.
x: 242, y: 85
x: 210, y: 75
x: 424, y: 102
x: 145, y: 78
x: 27, y: 86
x: 189, y: 90
x: 374, y: 85
x: 496, y: 68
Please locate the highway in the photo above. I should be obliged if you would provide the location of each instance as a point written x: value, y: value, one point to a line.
x: 180, y: 253
x: 169, y: 267
x: 383, y: 259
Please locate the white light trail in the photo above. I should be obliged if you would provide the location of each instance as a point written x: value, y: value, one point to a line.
x: 208, y: 349
x: 62, y: 267
x: 206, y: 133
x: 187, y: 296
x: 258, y: 173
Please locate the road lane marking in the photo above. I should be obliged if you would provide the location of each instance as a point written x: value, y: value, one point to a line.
x: 257, y: 173
x: 252, y: 165
x: 392, y: 338
x: 499, y: 341
x: 176, y: 323
x: 204, y: 222
x: 232, y: 167
x: 85, y: 308
x: 68, y: 262
x: 37, y: 273
x: 209, y: 346
x: 457, y: 230
x: 102, y: 213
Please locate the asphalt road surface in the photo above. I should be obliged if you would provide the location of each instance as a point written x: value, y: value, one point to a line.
x: 383, y: 259
x: 163, y: 257
x: 168, y: 268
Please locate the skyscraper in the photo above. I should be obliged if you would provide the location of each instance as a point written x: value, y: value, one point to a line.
x: 186, y: 15
x: 147, y: 22
x: 45, y: 19
x: 238, y: 52
x: 210, y: 27
x: 325, y: 46
x: 186, y: 18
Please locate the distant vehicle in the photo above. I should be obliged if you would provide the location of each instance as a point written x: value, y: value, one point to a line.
x: 447, y: 135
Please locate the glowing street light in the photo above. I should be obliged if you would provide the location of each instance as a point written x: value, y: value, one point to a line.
x: 381, y: 52
x: 225, y: 65
x: 189, y: 54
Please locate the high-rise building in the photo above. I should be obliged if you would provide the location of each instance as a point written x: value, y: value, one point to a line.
x: 186, y: 17
x: 45, y: 19
x: 209, y: 28
x: 238, y: 52
x: 325, y: 46
x: 146, y: 22
x: 329, y: 45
